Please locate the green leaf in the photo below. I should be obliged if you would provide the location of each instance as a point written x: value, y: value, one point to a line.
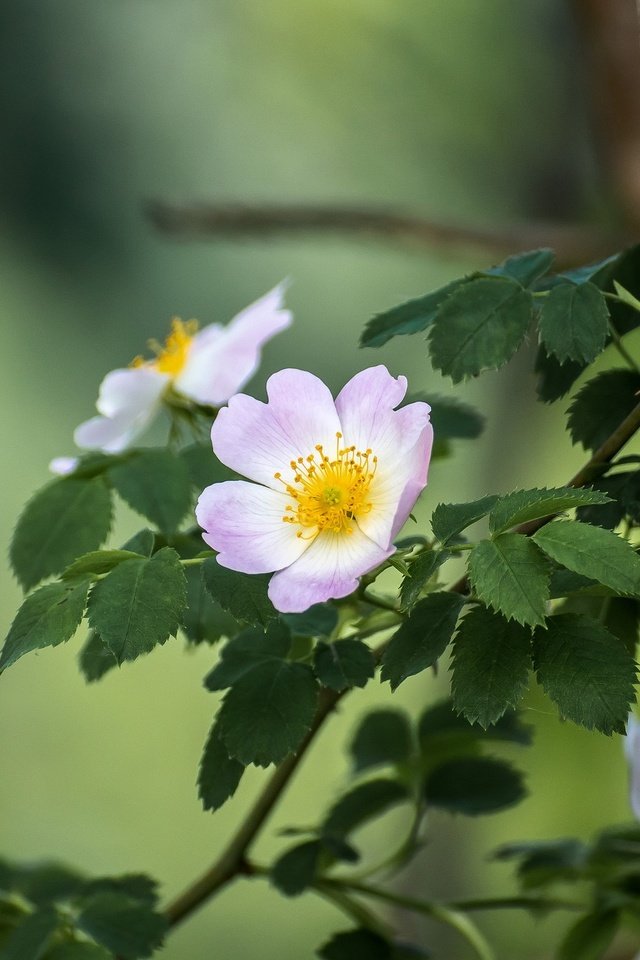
x: 383, y: 737
x: 47, y: 617
x: 47, y: 882
x: 574, y: 322
x: 203, y: 467
x: 409, y: 317
x: 490, y: 666
x: 219, y: 773
x: 156, y: 484
x: 545, y: 861
x: 597, y: 271
x: 441, y: 720
x: 361, y: 944
x: 480, y: 326
x: 343, y: 664
x: 555, y: 379
x: 422, y: 638
x: 139, y: 604
x: 420, y: 572
x: 242, y: 595
x: 319, y: 620
x: 141, y: 542
x: 123, y: 925
x: 364, y: 802
x: 95, y: 659
x: 266, y: 714
x: 30, y: 939
x: 136, y: 886
x: 450, y: 519
x: 67, y: 518
x: 451, y: 419
x: 296, y: 869
x: 474, y: 786
x: 622, y: 269
x: 587, y: 672
x: 75, y: 950
x: 96, y: 563
x: 204, y: 621
x: 524, y: 505
x: 511, y: 576
x: 526, y: 268
x: 249, y: 649
x: 623, y: 490
x: 601, y: 406
x: 593, y: 552
x: 590, y: 936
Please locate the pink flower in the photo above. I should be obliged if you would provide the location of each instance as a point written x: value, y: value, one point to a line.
x: 632, y: 753
x: 333, y: 482
x: 206, y: 366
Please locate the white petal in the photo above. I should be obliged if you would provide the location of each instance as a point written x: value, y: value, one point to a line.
x: 131, y: 391
x: 329, y: 569
x: 222, y: 359
x: 62, y: 466
x: 632, y: 752
x: 109, y: 434
x: 243, y: 521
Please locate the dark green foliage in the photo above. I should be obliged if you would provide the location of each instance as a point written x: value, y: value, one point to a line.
x: 526, y: 268
x: 450, y: 519
x: 96, y: 563
x: 453, y: 420
x: 409, y: 317
x: 623, y: 268
x: 137, y: 886
x: 76, y: 950
x: 555, y: 379
x: 474, y: 786
x: 479, y: 327
x: 422, y: 638
x: 296, y: 869
x: 441, y: 720
x: 491, y: 663
x: 420, y: 572
x: 511, y: 576
x: 203, y: 466
x: 123, y: 925
x: 574, y: 322
x: 30, y: 939
x: 141, y: 542
x: 593, y: 552
x: 67, y: 518
x: 47, y: 617
x: 623, y: 489
x: 601, y: 406
x: 204, y: 621
x: 139, y: 604
x: 242, y: 595
x: 95, y: 659
x: 545, y: 861
x: 157, y: 485
x: 524, y: 505
x: 590, y: 936
x: 267, y: 712
x: 247, y: 650
x: 587, y: 672
x: 47, y: 882
x: 343, y: 664
x: 219, y: 773
x: 361, y: 944
x: 318, y: 621
x: 362, y: 803
x: 383, y: 737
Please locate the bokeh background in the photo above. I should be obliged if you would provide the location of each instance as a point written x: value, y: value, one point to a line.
x: 460, y: 111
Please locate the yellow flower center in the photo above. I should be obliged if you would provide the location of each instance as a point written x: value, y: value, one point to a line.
x: 172, y: 355
x: 329, y: 494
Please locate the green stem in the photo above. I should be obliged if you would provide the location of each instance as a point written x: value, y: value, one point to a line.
x: 357, y: 911
x: 515, y: 903
x: 622, y: 350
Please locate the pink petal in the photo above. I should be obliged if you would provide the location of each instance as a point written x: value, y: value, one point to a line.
x: 328, y: 569
x: 365, y: 406
x: 257, y: 439
x: 632, y: 752
x: 243, y: 521
x: 223, y: 359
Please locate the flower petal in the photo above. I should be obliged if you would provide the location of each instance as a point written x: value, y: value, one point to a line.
x: 243, y: 521
x: 63, y: 466
x: 128, y: 400
x: 259, y: 439
x: 632, y: 753
x: 328, y: 569
x: 365, y: 406
x: 223, y: 359
x: 109, y: 434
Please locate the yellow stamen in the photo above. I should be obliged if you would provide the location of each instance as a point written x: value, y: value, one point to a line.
x: 329, y: 494
x: 172, y: 355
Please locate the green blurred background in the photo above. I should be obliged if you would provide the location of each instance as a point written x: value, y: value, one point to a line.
x: 459, y: 110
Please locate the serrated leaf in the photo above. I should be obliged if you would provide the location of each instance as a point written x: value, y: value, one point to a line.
x: 420, y: 572
x: 141, y: 542
x: 422, y: 638
x: 30, y: 939
x: 247, y: 650
x: 68, y: 518
x: 364, y: 802
x: 524, y: 505
x: 219, y: 774
x: 343, y: 664
x: 383, y: 737
x: 136, y: 886
x: 479, y: 327
x: 361, y: 944
x: 587, y: 672
x: 407, y: 318
x: 593, y: 552
x: 157, y: 485
x: 623, y: 489
x: 49, y: 616
x: 490, y: 666
x: 139, y: 604
x: 318, y: 621
x: 122, y: 925
x: 601, y: 406
x: 511, y: 576
x: 266, y: 714
x: 296, y: 869
x: 96, y: 563
x: 242, y: 595
x: 526, y: 268
x: 555, y: 379
x: 203, y: 620
x: 76, y: 950
x: 450, y: 519
x: 474, y: 786
x: 574, y: 322
x: 95, y: 659
x: 590, y: 936
x: 203, y: 466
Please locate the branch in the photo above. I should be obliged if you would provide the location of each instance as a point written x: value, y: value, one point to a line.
x: 573, y: 243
